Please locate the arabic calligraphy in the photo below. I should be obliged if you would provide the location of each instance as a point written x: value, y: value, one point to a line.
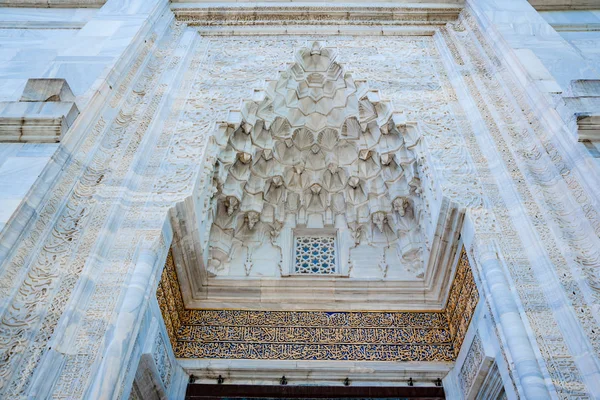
x: 320, y: 335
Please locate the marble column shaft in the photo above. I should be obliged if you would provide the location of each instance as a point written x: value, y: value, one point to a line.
x: 511, y: 325
x: 136, y: 298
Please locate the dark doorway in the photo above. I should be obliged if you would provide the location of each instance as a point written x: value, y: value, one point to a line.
x: 264, y: 392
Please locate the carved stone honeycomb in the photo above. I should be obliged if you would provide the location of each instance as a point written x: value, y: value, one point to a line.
x: 315, y: 148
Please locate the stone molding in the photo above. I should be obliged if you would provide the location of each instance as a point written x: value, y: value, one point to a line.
x: 200, y: 291
x: 563, y: 5
x: 44, y: 113
x: 584, y: 100
x: 269, y: 372
x: 290, y: 18
x: 588, y: 126
x: 53, y: 3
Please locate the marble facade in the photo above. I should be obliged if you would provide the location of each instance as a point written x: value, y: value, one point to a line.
x: 495, y: 107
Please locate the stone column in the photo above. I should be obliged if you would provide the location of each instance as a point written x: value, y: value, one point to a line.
x: 136, y: 299
x: 511, y: 325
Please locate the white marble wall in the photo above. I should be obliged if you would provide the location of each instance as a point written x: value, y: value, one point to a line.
x: 522, y: 29
x: 20, y: 165
x: 580, y: 29
x: 80, y: 45
x: 31, y: 40
x: 547, y: 50
x: 87, y: 47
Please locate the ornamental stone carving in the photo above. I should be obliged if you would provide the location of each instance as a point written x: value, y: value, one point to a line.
x: 319, y: 335
x: 315, y: 149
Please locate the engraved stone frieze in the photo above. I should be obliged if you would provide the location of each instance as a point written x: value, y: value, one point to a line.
x: 317, y: 335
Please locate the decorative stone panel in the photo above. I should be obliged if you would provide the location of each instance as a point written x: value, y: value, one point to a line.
x: 315, y: 254
x: 161, y: 360
x: 470, y: 367
x: 349, y: 18
x: 396, y: 242
x: 478, y: 376
x: 170, y: 301
x: 314, y: 149
x: 462, y: 301
x: 319, y: 335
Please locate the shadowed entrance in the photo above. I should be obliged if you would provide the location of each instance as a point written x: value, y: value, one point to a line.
x: 256, y: 392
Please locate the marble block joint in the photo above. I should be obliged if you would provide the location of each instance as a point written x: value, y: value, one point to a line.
x: 43, y: 114
x: 585, y: 102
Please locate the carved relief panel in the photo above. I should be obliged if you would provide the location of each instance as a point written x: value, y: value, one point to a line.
x: 316, y: 149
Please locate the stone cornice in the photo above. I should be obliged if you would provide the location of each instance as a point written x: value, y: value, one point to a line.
x: 277, y: 18
x: 360, y: 373
x: 562, y: 5
x: 44, y: 113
